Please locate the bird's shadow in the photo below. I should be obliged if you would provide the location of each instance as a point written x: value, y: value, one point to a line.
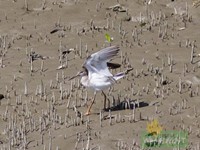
x: 127, y: 104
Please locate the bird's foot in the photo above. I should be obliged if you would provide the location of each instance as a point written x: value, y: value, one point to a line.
x: 87, y: 113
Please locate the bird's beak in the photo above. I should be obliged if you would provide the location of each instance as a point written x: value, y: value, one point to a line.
x: 77, y: 75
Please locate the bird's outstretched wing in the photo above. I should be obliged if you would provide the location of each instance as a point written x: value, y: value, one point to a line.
x: 97, y: 62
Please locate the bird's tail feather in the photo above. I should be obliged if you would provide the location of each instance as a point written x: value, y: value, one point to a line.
x: 122, y: 74
x: 119, y: 76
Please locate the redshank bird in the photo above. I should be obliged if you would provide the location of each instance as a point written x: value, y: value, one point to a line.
x: 96, y: 75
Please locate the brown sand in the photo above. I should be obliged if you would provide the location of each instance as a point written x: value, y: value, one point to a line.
x: 37, y: 117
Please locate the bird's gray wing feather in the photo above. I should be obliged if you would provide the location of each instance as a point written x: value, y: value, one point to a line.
x: 97, y: 62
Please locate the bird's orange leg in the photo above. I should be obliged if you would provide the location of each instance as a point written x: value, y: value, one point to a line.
x: 88, y: 110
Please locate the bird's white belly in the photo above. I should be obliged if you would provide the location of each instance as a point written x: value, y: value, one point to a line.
x: 99, y: 83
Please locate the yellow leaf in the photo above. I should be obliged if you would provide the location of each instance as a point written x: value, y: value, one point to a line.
x: 154, y: 127
x: 108, y: 38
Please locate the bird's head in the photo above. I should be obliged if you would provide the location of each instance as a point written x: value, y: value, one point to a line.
x: 79, y: 74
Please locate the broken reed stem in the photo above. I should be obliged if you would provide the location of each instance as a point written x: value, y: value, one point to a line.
x: 110, y: 118
x: 26, y: 5
x: 100, y: 118
x: 42, y: 66
x: 25, y: 89
x: 80, y: 49
x: 180, y: 85
x: 171, y: 68
x: 31, y: 69
x: 35, y: 24
x: 192, y: 54
x: 66, y: 62
x: 1, y: 62
x: 58, y: 22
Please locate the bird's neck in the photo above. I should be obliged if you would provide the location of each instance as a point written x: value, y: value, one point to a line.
x: 84, y: 81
